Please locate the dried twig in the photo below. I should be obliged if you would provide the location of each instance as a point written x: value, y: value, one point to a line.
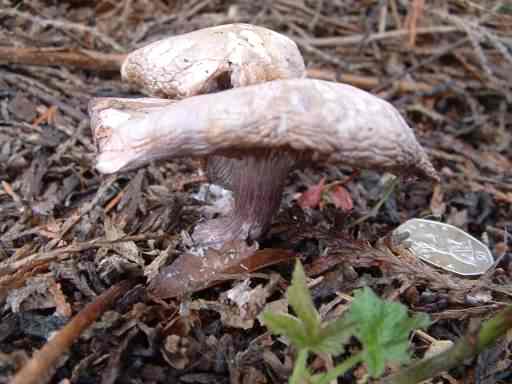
x: 415, y: 13
x: 10, y: 266
x: 40, y: 368
x: 368, y: 82
x: 65, y: 25
x: 86, y: 59
x: 429, y: 60
x: 79, y: 58
x: 338, y: 41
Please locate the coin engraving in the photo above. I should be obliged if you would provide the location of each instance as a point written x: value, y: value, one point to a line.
x: 447, y: 247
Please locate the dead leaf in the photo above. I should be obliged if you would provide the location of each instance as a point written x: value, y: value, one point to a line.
x: 175, y: 351
x: 39, y: 292
x: 241, y: 305
x: 437, y: 347
x: 193, y: 272
x: 312, y: 196
x: 316, y: 196
x: 151, y: 270
x: 126, y: 249
x: 250, y: 301
x: 341, y: 198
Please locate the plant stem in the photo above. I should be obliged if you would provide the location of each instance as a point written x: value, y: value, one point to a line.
x: 340, y: 369
x: 299, y: 370
x: 468, y: 346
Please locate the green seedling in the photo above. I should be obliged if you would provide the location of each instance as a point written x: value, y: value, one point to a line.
x: 382, y: 327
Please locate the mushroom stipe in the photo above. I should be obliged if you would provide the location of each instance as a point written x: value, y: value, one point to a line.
x: 257, y: 181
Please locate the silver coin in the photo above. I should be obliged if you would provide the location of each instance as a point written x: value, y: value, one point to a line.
x: 447, y: 247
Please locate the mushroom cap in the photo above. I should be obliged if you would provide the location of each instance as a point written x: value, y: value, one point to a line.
x: 318, y: 120
x: 212, y: 59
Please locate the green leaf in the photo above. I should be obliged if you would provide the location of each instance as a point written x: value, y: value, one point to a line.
x: 383, y: 328
x: 333, y: 336
x: 286, y: 325
x: 307, y: 331
x: 300, y: 300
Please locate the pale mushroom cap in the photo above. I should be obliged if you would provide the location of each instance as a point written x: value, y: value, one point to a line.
x: 320, y: 120
x: 211, y: 59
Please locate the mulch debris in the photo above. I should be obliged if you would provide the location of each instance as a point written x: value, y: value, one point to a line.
x: 68, y: 234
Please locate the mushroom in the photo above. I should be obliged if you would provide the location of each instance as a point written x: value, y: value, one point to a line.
x: 212, y: 59
x: 268, y: 129
x: 206, y: 61
x: 251, y: 136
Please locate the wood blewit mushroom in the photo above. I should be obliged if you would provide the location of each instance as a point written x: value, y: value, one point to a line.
x: 212, y: 60
x: 269, y: 128
x: 259, y: 125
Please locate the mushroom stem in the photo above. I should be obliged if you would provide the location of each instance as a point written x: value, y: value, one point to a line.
x: 257, y: 184
x: 220, y: 170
